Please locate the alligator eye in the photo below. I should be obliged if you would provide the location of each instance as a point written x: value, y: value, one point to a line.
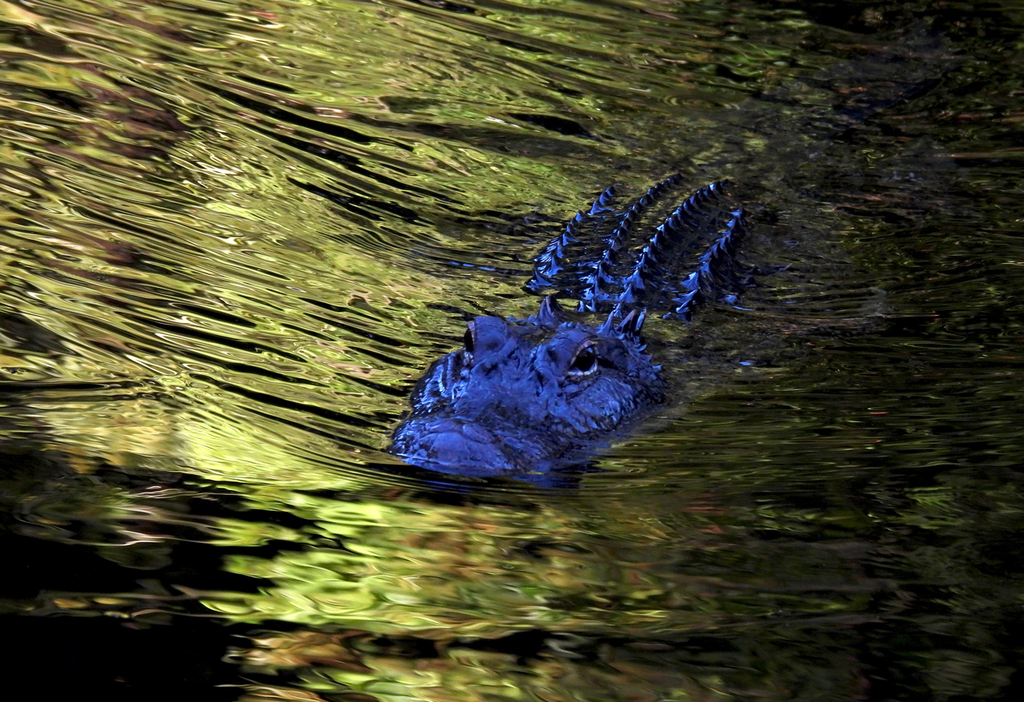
x: 585, y: 362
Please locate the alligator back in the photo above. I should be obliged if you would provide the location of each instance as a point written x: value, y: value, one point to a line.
x: 546, y: 392
x: 642, y: 256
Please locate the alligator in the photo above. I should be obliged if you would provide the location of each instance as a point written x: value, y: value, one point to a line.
x: 545, y: 393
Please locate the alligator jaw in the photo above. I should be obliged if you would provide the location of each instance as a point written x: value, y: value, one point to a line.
x: 449, y: 445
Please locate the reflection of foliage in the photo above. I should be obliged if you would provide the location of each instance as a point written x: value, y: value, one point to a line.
x: 559, y: 668
x: 225, y: 238
x: 438, y: 572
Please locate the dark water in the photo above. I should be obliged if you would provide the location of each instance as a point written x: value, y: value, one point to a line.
x: 233, y: 234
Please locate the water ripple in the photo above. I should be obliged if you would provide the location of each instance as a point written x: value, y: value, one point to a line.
x: 232, y: 237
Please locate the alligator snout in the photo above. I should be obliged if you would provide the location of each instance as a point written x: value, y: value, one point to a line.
x: 451, y: 445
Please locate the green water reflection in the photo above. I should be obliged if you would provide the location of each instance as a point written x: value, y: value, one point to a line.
x: 233, y: 234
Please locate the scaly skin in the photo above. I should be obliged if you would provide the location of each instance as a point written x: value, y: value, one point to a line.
x: 522, y: 396
x: 543, y: 393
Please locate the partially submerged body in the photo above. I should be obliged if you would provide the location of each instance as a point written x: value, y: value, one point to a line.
x: 528, y: 396
x: 548, y: 391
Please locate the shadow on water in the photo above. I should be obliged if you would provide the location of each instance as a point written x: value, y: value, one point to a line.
x: 233, y: 237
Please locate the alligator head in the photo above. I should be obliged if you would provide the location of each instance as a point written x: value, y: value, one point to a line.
x: 529, y: 395
x: 546, y: 392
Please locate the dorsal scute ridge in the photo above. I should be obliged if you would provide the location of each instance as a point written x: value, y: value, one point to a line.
x: 631, y: 324
x: 603, y: 201
x: 549, y: 314
x: 570, y: 234
x: 628, y: 218
x: 545, y: 266
x: 647, y: 259
x: 632, y: 286
x: 657, y: 241
x: 712, y: 271
x: 556, y: 248
x: 608, y: 258
x: 549, y: 262
x: 601, y: 259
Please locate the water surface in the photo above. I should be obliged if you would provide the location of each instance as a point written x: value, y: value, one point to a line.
x: 232, y: 235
